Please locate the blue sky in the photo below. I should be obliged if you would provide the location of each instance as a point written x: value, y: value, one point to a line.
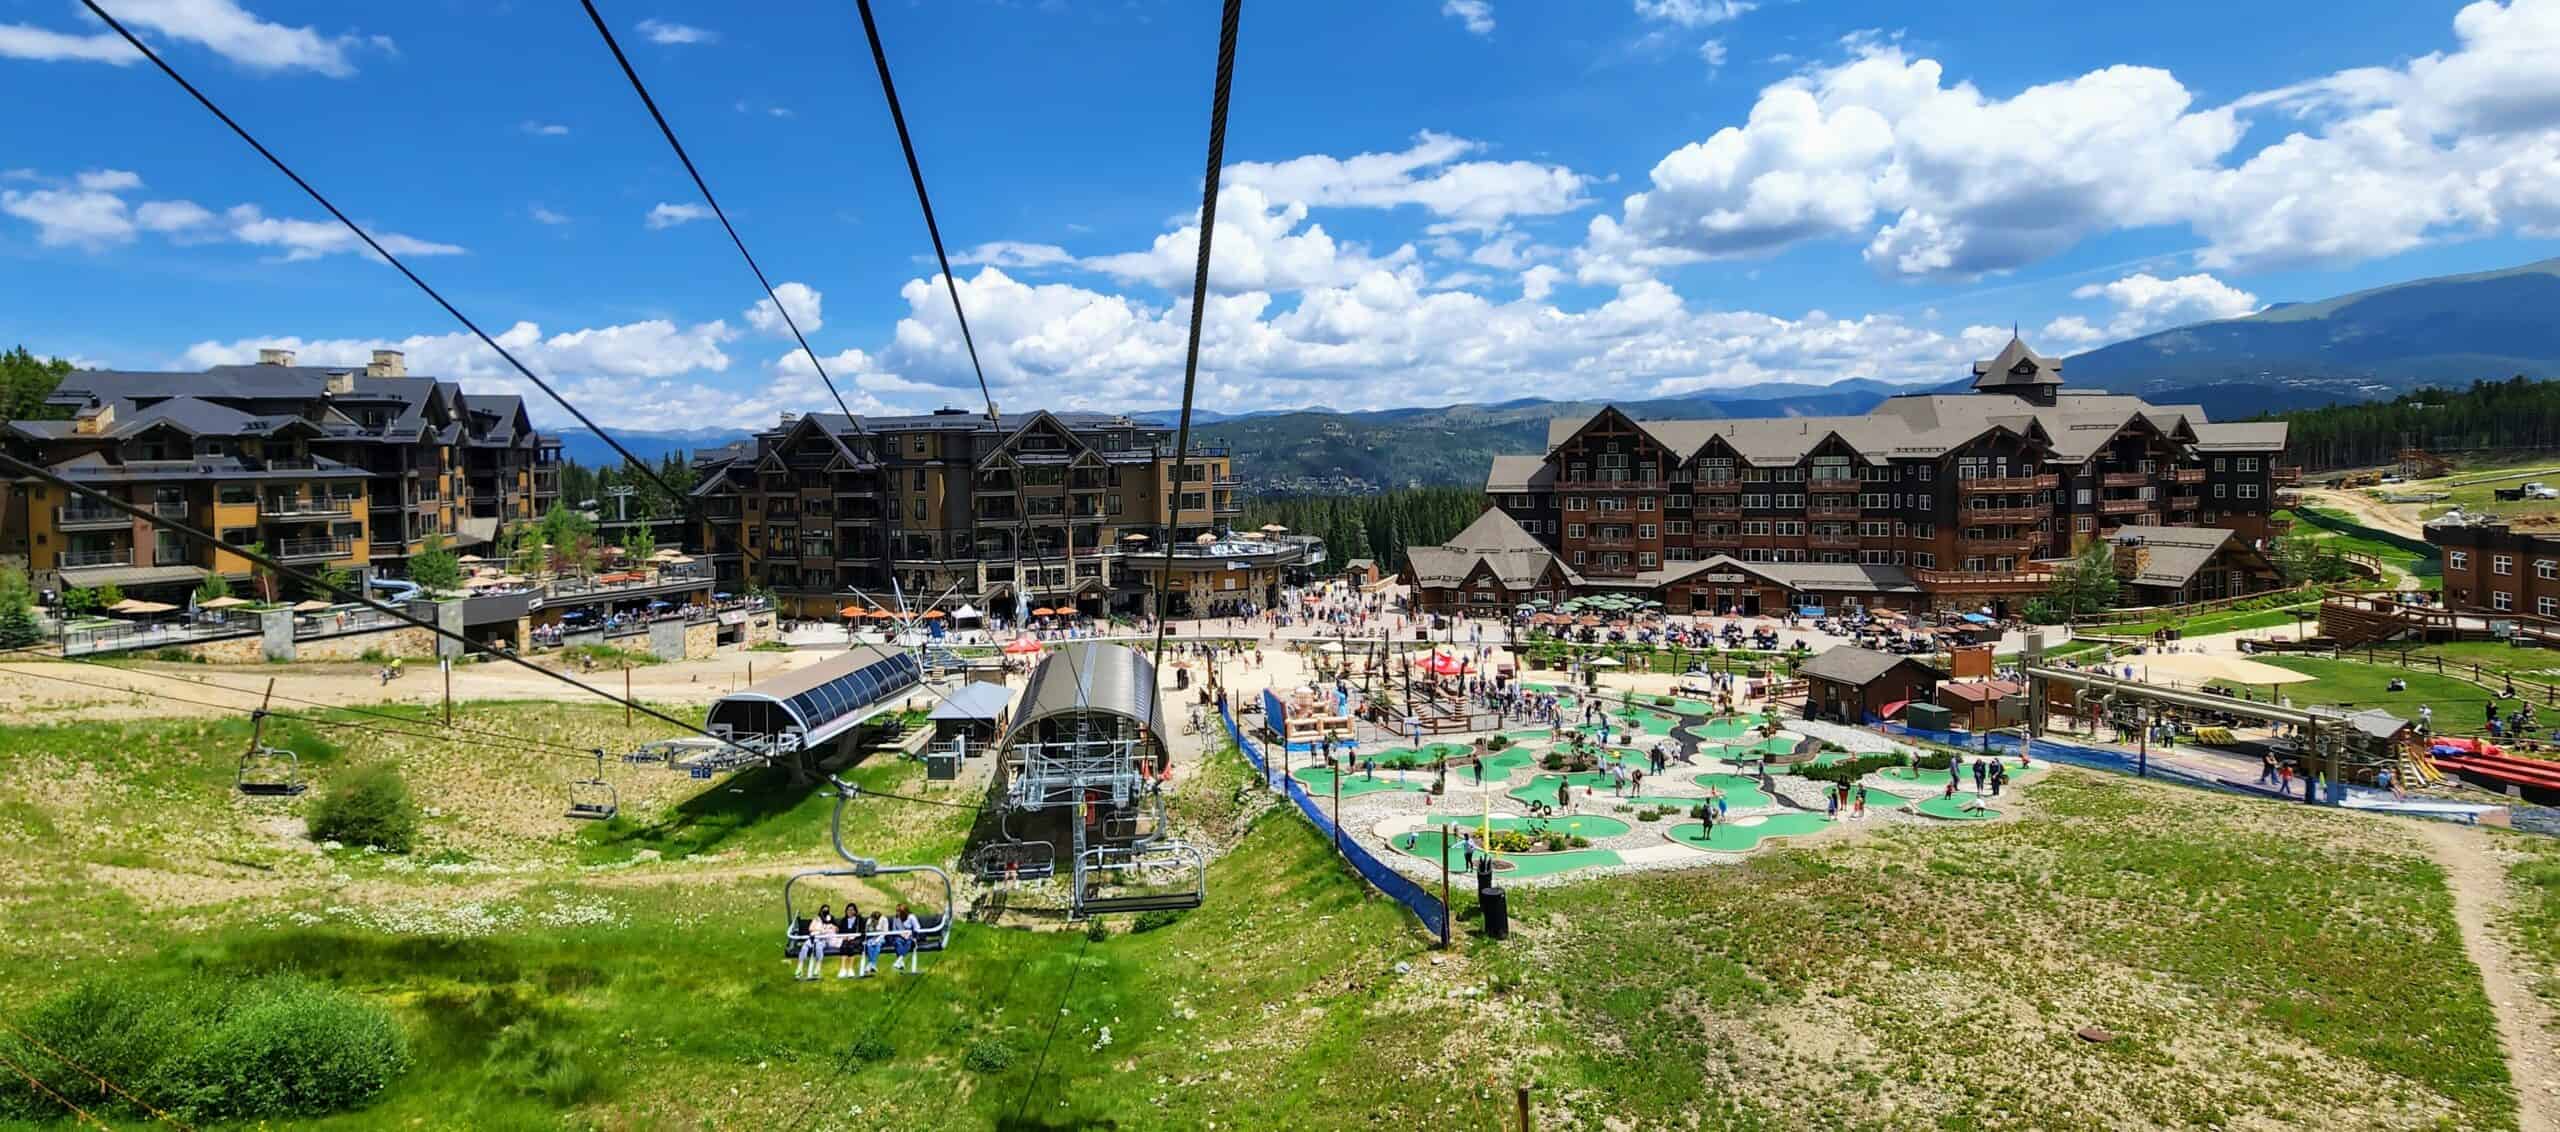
x: 1428, y: 200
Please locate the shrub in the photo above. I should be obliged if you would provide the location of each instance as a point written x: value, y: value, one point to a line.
x: 1096, y: 932
x: 1698, y: 812
x: 1498, y: 743
x: 1578, y: 841
x: 374, y: 656
x: 1553, y: 761
x: 1157, y: 918
x: 1648, y: 814
x: 539, y: 1065
x: 370, y: 807
x: 989, y: 1055
x: 213, y: 1049
x: 178, y: 656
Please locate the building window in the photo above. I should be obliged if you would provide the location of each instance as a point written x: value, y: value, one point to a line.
x: 1679, y: 527
x: 1574, y: 503
x: 1644, y: 503
x: 1756, y: 527
x: 2248, y: 491
x: 2546, y: 569
x: 1924, y: 559
x: 2218, y: 490
x: 2501, y: 600
x: 2217, y: 463
x: 1520, y: 501
x: 1574, y: 530
x: 919, y: 444
x: 1581, y: 557
x: 2248, y: 464
x: 2502, y: 564
x: 1644, y: 558
x: 1678, y: 503
x: 2457, y: 560
x: 2547, y: 606
x: 1646, y: 530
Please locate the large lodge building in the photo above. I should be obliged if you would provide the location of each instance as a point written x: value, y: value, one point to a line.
x: 351, y: 467
x: 1926, y: 501
x: 1035, y: 510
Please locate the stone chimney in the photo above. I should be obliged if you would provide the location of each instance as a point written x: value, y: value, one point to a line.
x: 94, y: 419
x: 341, y: 382
x: 387, y: 363
x: 789, y: 417
x: 272, y: 356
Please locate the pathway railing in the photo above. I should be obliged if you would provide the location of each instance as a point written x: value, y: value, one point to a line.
x: 1399, y: 887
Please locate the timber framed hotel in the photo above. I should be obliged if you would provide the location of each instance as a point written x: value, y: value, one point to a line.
x: 1933, y: 500
x: 1035, y: 510
x: 351, y: 467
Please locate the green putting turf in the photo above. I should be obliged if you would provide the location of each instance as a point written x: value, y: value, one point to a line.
x: 1543, y: 789
x: 1319, y: 782
x: 1747, y: 832
x: 1573, y: 825
x: 1410, y: 757
x: 1434, y: 846
x: 1954, y: 808
x: 1740, y: 793
x: 1497, y: 766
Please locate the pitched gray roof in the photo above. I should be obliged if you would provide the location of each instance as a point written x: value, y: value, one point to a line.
x: 2242, y: 436
x: 1519, y: 473
x: 2016, y: 366
x: 1849, y: 664
x: 2170, y: 556
x: 1494, y: 539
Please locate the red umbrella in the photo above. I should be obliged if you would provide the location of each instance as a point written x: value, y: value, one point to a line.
x: 1023, y: 646
x: 1440, y: 662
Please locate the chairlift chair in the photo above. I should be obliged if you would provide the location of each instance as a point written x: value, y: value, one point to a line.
x: 933, y: 925
x: 594, y: 799
x: 268, y: 772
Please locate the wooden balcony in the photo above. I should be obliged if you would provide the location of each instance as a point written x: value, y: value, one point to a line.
x: 1607, y: 570
x: 1829, y: 511
x: 2187, y: 475
x: 2124, y: 506
x: 1998, y: 547
x: 2286, y: 475
x: 2004, y: 514
x: 1834, y: 487
x: 1717, y: 514
x: 87, y: 517
x: 1985, y: 484
x: 1832, y: 542
x: 1611, y: 485
x: 2124, y: 479
x: 1984, y: 581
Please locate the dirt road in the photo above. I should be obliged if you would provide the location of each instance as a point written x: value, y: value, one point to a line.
x: 47, y: 689
x: 2479, y: 883
x: 2397, y: 518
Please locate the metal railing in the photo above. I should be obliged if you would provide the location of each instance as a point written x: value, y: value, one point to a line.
x: 73, y: 518
x: 76, y: 559
x: 123, y: 636
x: 274, y: 507
x: 338, y: 546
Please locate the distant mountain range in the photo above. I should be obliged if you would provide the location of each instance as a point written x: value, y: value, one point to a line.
x: 2369, y: 345
x: 584, y: 447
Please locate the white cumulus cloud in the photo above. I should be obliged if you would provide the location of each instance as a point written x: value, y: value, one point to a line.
x: 1477, y: 15
x: 220, y: 26
x: 669, y: 33
x: 805, y: 303
x: 664, y: 215
x: 1473, y: 194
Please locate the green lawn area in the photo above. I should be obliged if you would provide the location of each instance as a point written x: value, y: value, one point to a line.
x: 1928, y: 975
x: 2459, y: 707
x: 2337, y: 530
x: 2220, y: 621
x: 2474, y: 489
x: 2488, y: 659
x: 2535, y: 925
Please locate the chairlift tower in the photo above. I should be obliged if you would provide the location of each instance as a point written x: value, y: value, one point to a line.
x: 1087, y: 746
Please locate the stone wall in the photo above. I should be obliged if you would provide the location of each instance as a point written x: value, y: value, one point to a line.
x: 406, y: 641
x: 701, y: 640
x: 762, y: 625
x: 250, y: 649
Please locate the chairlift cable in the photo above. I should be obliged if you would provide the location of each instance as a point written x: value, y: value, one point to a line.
x: 681, y: 500
x: 1225, y: 82
x: 924, y: 201
x: 669, y: 131
x: 94, y: 1075
x: 1041, y: 1065
x: 47, y: 1090
x: 261, y: 558
x: 207, y: 683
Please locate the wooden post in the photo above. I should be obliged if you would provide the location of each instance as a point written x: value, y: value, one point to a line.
x: 1448, y: 913
x: 1523, y: 1094
x: 447, y: 665
x: 1338, y: 767
x: 626, y: 695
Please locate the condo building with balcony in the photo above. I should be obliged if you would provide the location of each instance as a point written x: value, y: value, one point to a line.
x: 1033, y: 510
x: 1931, y: 500
x: 340, y: 466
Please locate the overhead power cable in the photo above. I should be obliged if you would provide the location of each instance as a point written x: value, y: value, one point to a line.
x: 669, y: 131
x: 352, y: 709
x: 1225, y: 83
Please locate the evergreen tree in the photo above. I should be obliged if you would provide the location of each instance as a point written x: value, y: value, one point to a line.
x: 435, y: 568
x: 18, y: 627
x: 25, y: 381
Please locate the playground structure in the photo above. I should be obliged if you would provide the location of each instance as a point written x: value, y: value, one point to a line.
x: 2336, y: 745
x: 1305, y: 719
x: 1081, y: 773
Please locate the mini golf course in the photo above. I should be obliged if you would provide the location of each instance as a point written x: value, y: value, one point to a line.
x: 1960, y: 806
x: 1319, y: 782
x: 1543, y: 789
x: 1437, y: 846
x: 1740, y: 792
x: 1571, y: 825
x: 1744, y: 833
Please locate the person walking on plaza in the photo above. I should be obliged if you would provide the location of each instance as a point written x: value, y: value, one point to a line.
x: 1860, y: 811
x: 1999, y: 778
x: 2284, y: 780
x: 1831, y: 810
x: 2267, y: 775
x: 1981, y: 771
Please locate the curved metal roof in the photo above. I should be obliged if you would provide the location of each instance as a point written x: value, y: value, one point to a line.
x: 825, y: 698
x: 1093, y: 676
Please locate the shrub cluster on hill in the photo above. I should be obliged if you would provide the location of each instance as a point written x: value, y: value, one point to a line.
x: 206, y: 1048
x: 370, y: 807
